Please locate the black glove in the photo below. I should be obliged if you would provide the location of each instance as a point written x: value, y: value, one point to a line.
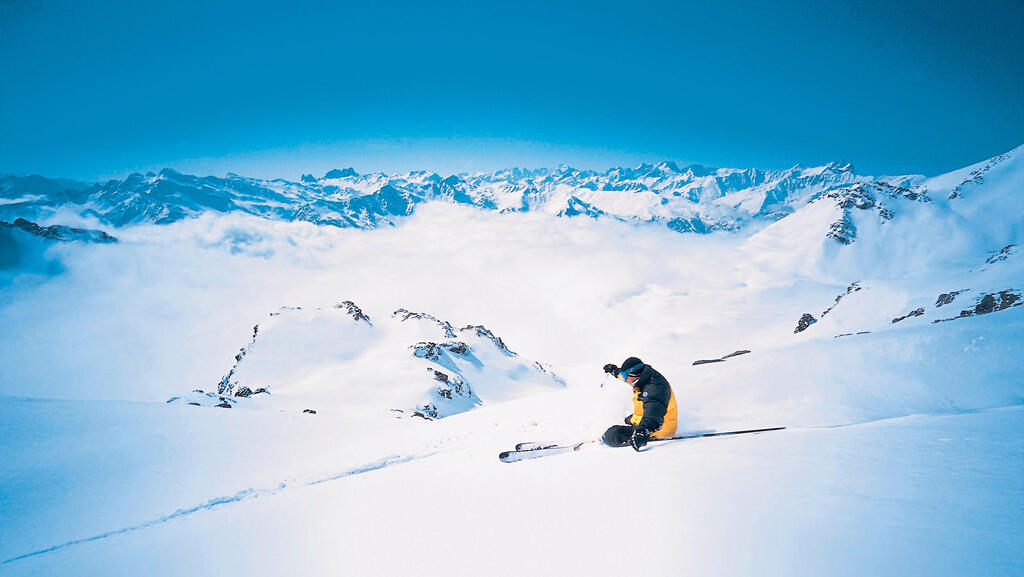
x: 629, y: 419
x: 639, y: 438
x: 611, y: 369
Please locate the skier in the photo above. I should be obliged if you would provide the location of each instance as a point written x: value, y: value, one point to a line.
x: 654, y: 406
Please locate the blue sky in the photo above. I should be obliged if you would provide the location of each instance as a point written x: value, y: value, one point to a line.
x: 97, y: 90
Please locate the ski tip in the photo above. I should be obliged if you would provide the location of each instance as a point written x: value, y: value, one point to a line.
x: 504, y: 456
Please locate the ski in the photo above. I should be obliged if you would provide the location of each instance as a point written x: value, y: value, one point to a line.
x: 533, y: 450
x: 513, y: 456
x: 528, y: 446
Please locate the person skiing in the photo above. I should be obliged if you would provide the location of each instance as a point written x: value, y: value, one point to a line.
x: 654, y: 406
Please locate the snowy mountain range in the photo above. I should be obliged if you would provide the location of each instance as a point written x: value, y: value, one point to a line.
x: 693, y: 198
x: 689, y: 199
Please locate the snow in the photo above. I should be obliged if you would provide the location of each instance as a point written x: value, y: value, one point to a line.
x: 935, y: 495
x: 902, y: 452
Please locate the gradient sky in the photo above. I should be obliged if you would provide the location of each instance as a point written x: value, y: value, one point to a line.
x: 94, y: 90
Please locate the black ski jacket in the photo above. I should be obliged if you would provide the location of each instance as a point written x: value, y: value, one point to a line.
x: 654, y: 393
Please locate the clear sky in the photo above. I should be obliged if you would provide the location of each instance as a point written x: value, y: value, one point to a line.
x: 92, y: 90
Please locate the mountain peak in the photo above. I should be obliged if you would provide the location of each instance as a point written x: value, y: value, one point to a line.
x: 341, y: 173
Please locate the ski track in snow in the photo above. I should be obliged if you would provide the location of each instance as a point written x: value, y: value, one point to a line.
x: 218, y: 501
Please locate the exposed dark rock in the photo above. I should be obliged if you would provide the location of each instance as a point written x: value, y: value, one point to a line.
x: 854, y: 287
x: 428, y: 412
x: 224, y: 405
x: 449, y: 332
x: 452, y: 385
x: 226, y: 386
x: 736, y: 354
x: 354, y: 311
x: 308, y: 411
x: 172, y: 399
x: 1002, y: 255
x: 282, y: 309
x: 946, y: 298
x: 864, y: 196
x: 914, y: 313
x: 990, y: 303
x: 482, y: 331
x: 431, y: 351
x: 1008, y: 299
x: 194, y: 404
x: 577, y: 207
x: 843, y: 230
x: 60, y: 233
x: 805, y: 321
x: 243, y: 392
x: 976, y: 177
x: 694, y: 224
x: 987, y: 305
x: 456, y: 347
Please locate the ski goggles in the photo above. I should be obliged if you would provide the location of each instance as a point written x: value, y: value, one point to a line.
x: 623, y: 374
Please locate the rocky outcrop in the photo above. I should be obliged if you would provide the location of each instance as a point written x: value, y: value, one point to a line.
x: 990, y: 303
x: 482, y: 331
x: 451, y: 385
x: 431, y: 351
x: 805, y: 321
x: 200, y: 398
x: 866, y: 196
x: 59, y: 233
x: 914, y: 313
x: 854, y: 287
x: 976, y: 177
x: 1002, y: 255
x: 843, y: 230
x: 226, y: 386
x: 353, y: 311
x: 405, y: 315
x: 946, y: 298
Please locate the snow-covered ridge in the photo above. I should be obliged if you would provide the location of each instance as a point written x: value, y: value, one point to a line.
x: 409, y: 365
x: 57, y: 233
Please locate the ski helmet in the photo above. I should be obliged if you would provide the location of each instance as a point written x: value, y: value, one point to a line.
x: 631, y: 367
